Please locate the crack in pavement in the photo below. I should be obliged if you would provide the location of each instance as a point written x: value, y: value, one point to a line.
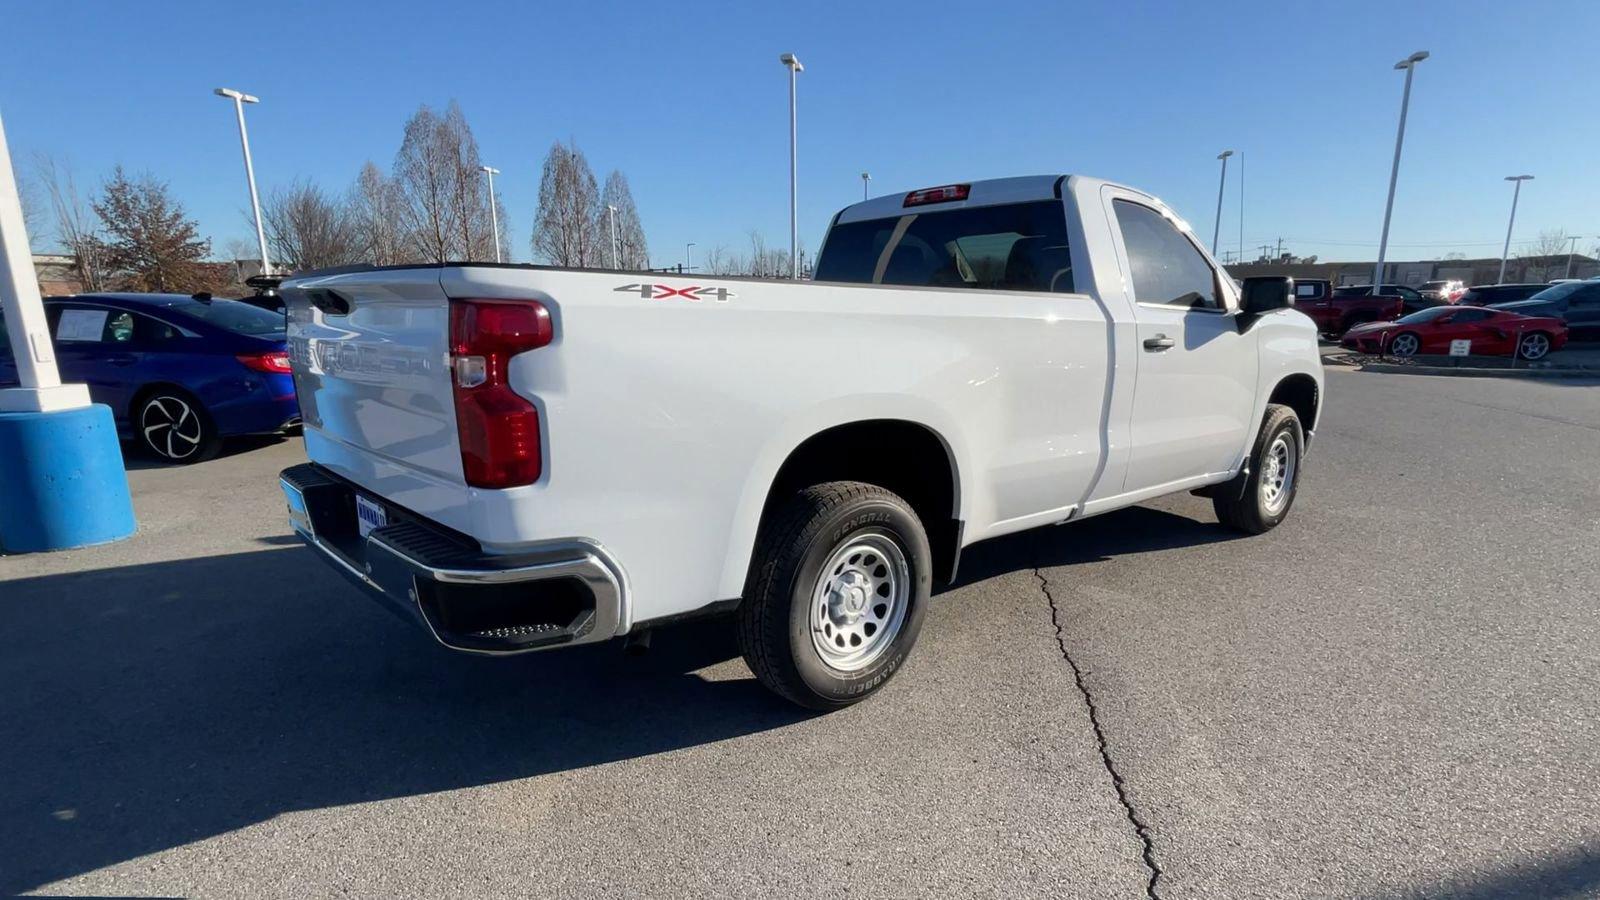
x: 1139, y: 827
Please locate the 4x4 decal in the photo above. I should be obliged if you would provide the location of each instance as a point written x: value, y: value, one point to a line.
x: 693, y: 293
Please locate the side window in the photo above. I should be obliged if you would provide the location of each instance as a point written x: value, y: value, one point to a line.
x: 153, y: 331
x: 1471, y: 315
x: 93, y: 325
x: 1586, y: 297
x: 1311, y: 291
x: 1166, y: 267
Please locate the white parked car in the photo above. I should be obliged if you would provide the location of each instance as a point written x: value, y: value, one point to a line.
x: 521, y: 457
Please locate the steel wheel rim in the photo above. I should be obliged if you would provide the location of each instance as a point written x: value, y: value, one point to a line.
x: 1277, y: 474
x: 860, y: 601
x: 1535, y: 346
x: 1404, y: 345
x: 170, y: 427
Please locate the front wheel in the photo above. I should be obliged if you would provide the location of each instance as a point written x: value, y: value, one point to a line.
x: 1267, y: 491
x: 1535, y: 345
x: 1405, y: 345
x: 836, y: 594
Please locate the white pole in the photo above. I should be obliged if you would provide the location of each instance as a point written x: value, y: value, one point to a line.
x: 788, y: 59
x: 865, y: 177
x: 616, y: 256
x: 1410, y: 65
x: 239, y: 100
x: 1571, y: 249
x: 688, y: 256
x: 1217, y: 227
x: 27, y: 330
x: 1515, y: 193
x: 1241, y: 206
x: 494, y: 214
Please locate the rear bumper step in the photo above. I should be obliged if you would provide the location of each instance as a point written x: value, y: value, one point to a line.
x: 552, y: 595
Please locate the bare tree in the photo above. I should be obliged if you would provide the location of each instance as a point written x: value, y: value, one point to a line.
x: 1551, y: 242
x: 444, y: 205
x: 308, y: 229
x: 378, y: 219
x: 565, y: 227
x: 150, y: 244
x: 632, y: 251
x: 77, y: 230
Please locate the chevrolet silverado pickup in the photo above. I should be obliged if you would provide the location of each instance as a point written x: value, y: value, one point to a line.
x: 519, y: 457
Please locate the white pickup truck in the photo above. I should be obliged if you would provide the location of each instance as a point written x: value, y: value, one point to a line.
x: 522, y: 457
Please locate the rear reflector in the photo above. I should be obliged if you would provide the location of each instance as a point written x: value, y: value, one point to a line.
x: 497, y: 427
x: 276, y: 361
x: 944, y: 194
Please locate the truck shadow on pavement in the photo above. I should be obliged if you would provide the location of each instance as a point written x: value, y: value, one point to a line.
x: 151, y: 706
x: 1137, y: 529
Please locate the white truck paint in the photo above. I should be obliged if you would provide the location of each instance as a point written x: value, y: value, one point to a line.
x: 665, y: 419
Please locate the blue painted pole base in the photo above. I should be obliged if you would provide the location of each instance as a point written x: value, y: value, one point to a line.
x: 62, y: 483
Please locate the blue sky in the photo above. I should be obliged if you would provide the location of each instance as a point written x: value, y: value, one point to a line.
x: 690, y: 101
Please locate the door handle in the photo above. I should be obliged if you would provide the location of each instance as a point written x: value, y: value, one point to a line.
x: 121, y: 359
x: 1158, y: 343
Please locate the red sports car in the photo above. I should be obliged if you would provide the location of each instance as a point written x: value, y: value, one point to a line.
x: 1493, y: 332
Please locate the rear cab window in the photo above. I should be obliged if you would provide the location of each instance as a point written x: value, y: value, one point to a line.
x: 1006, y: 247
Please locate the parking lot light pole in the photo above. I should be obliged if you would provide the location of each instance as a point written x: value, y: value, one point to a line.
x: 688, y: 257
x: 494, y: 214
x: 1515, y: 193
x: 1410, y: 65
x: 1571, y: 249
x: 239, y: 100
x: 789, y: 60
x: 1217, y: 228
x: 865, y: 177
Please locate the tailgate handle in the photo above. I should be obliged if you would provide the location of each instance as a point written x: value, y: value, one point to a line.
x: 331, y: 302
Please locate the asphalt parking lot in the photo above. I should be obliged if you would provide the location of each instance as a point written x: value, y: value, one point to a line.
x: 1395, y: 694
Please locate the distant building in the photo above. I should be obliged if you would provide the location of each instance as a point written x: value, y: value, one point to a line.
x: 1526, y: 270
x: 57, y: 274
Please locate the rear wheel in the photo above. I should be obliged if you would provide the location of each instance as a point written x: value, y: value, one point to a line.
x: 1405, y: 345
x: 837, y: 591
x: 1535, y: 345
x: 1263, y: 499
x: 173, y: 427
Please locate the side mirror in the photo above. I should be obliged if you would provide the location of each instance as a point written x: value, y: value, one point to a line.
x: 1265, y: 293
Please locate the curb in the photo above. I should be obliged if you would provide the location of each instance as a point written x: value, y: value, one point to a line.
x: 1476, y: 372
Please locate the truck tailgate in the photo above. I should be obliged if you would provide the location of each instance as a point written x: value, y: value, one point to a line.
x: 371, y: 367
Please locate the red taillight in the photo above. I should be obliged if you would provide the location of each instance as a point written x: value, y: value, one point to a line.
x: 498, y: 428
x: 276, y: 362
x: 943, y: 194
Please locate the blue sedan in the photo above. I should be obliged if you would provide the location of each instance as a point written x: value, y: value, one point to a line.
x: 179, y: 373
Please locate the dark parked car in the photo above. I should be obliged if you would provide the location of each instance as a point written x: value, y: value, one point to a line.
x: 266, y: 292
x: 1577, y: 303
x: 1485, y: 294
x: 179, y: 373
x: 1448, y: 291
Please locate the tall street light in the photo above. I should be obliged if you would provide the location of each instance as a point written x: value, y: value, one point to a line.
x: 1410, y: 65
x: 789, y: 60
x: 865, y: 177
x: 1217, y: 229
x: 688, y: 256
x: 616, y: 257
x: 239, y: 100
x: 1571, y: 249
x: 1241, y: 206
x: 494, y: 214
x: 1515, y: 193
